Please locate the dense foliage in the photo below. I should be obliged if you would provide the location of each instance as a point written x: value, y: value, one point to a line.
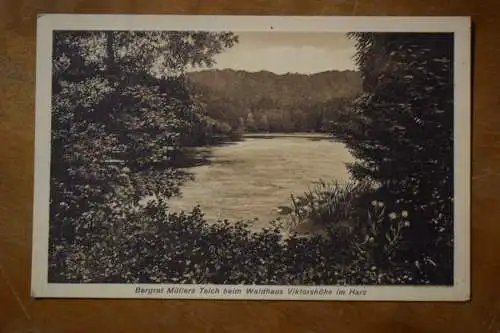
x: 401, y: 132
x: 151, y: 245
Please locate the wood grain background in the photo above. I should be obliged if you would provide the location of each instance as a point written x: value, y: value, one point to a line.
x: 20, y: 313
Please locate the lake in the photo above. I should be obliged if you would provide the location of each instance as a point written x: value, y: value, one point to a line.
x: 251, y: 178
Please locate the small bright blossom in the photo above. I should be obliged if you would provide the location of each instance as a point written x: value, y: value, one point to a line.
x: 380, y: 204
x: 392, y: 216
x: 404, y: 213
x: 374, y: 203
x: 407, y: 224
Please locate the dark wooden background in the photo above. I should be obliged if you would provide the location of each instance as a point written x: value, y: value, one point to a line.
x: 20, y: 313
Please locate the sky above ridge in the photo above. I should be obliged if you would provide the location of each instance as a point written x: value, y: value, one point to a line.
x: 288, y: 52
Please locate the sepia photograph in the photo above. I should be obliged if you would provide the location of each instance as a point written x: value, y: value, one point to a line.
x: 252, y: 157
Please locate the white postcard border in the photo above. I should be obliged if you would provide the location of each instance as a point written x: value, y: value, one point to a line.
x: 460, y: 26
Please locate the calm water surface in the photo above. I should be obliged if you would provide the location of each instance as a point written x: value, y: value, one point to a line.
x: 251, y: 178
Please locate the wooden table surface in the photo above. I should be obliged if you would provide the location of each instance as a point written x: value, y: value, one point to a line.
x: 20, y: 313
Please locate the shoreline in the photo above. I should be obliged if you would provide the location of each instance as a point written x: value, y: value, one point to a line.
x: 299, y: 135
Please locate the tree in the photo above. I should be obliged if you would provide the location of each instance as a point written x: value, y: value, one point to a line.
x: 129, y: 66
x: 250, y: 122
x: 241, y: 124
x: 120, y: 113
x: 80, y: 54
x: 263, y: 123
x: 401, y: 132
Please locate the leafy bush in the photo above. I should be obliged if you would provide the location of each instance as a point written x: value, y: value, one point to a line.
x: 133, y: 244
x: 361, y: 224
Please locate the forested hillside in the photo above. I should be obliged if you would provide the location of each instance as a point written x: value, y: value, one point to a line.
x: 264, y: 101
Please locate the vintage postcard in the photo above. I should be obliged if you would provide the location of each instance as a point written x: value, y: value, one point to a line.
x: 247, y: 157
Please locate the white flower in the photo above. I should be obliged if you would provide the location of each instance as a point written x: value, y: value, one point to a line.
x: 374, y: 203
x: 380, y: 204
x: 393, y: 215
x: 404, y: 213
x: 407, y: 224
